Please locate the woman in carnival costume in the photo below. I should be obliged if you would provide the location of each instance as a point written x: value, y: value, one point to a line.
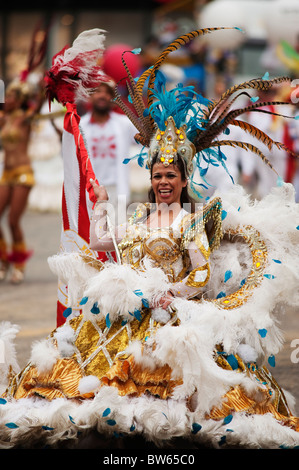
x: 173, y: 338
x: 23, y: 100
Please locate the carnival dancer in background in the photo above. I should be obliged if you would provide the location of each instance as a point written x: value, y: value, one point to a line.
x: 17, y: 178
x: 23, y: 100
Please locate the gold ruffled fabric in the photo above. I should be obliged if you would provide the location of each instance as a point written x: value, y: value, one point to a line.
x: 97, y: 348
x: 269, y: 397
x: 61, y: 381
x: 236, y: 400
x: 132, y: 379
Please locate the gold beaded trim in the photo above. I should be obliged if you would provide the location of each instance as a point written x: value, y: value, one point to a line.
x: 259, y: 259
x: 191, y: 278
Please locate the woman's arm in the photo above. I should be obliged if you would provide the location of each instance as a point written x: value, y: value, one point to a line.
x: 100, y: 237
x: 197, y: 277
x: 2, y: 118
x: 192, y: 284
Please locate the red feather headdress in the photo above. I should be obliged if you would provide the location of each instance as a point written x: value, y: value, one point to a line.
x: 75, y: 71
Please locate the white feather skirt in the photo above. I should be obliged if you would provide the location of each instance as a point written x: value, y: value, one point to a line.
x: 250, y: 330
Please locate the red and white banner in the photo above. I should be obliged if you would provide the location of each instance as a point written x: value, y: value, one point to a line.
x: 75, y: 214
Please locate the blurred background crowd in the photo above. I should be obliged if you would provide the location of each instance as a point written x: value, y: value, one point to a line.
x: 268, y: 43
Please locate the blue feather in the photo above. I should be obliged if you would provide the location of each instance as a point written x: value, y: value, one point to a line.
x: 145, y: 303
x: 263, y: 332
x: 271, y: 360
x: 95, y: 309
x: 195, y: 428
x: 11, y: 425
x: 67, y: 312
x: 106, y: 412
x: 220, y: 295
x: 138, y: 292
x: 232, y: 361
x: 137, y: 314
x: 136, y: 51
x: 223, y: 214
x: 227, y: 419
x: 269, y: 276
x: 108, y: 322
x: 111, y: 422
x: 228, y: 275
x: 84, y: 300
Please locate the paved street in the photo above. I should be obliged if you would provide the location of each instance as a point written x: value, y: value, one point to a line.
x: 32, y: 305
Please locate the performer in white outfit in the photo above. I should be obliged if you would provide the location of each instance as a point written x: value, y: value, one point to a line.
x: 109, y: 137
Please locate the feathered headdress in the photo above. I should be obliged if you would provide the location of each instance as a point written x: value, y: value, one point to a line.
x: 189, y: 123
x: 75, y: 72
x: 23, y: 83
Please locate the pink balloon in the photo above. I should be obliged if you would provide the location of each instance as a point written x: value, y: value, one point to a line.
x: 112, y: 63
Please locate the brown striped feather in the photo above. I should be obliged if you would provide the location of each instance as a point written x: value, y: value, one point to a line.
x: 262, y: 136
x: 256, y: 84
x: 255, y: 132
x: 175, y: 45
x: 245, y: 146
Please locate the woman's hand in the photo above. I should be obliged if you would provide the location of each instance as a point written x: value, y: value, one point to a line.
x: 165, y: 301
x: 100, y: 191
x: 2, y: 118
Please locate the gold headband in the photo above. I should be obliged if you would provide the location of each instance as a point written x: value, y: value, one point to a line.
x: 171, y: 144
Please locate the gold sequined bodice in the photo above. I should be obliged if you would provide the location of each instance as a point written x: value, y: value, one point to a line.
x: 161, y: 245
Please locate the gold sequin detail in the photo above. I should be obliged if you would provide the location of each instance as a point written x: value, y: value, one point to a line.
x: 191, y: 278
x: 209, y: 220
x: 259, y: 259
x: 97, y: 346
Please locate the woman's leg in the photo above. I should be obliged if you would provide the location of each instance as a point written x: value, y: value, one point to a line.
x: 18, y: 204
x: 5, y: 194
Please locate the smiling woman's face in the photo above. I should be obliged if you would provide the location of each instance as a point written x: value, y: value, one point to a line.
x: 167, y: 183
